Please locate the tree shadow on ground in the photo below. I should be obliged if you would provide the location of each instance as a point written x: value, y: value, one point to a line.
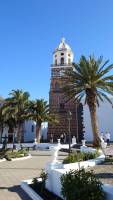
x: 18, y: 168
x: 35, y: 155
x: 17, y: 189
x: 104, y: 175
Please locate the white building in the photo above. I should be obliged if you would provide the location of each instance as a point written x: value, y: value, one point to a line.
x: 104, y: 117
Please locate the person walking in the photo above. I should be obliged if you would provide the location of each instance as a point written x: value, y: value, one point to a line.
x: 107, y: 137
x: 62, y: 138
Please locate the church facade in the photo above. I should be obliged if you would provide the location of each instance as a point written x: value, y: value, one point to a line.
x: 62, y: 61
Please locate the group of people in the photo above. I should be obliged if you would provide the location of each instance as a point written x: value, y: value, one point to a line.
x: 63, y: 138
x: 106, y: 137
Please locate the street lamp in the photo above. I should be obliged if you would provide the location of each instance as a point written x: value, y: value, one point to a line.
x: 69, y: 117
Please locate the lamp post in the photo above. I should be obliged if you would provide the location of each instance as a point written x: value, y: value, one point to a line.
x: 77, y: 122
x: 69, y: 117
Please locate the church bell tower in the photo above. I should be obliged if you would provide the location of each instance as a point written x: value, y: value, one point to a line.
x: 62, y: 60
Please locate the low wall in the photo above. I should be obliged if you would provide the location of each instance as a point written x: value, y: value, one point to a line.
x: 84, y: 164
x: 41, y: 145
x: 108, y: 189
x: 18, y: 145
x: 53, y: 184
x: 56, y: 170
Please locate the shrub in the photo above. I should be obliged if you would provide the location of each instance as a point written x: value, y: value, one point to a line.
x: 77, y: 157
x: 42, y: 183
x: 89, y: 155
x: 8, y: 157
x: 15, y: 154
x: 43, y: 175
x: 35, y: 181
x: 81, y: 185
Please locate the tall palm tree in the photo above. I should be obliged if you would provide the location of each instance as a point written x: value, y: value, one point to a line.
x: 93, y: 80
x: 39, y: 112
x: 6, y: 118
x: 2, y: 117
x: 2, y: 121
x: 16, y: 106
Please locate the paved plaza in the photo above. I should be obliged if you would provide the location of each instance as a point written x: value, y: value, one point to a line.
x: 11, y: 174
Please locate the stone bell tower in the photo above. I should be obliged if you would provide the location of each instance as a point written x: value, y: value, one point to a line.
x: 62, y: 60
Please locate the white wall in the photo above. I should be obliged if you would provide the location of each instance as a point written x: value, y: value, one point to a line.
x: 44, y: 129
x: 104, y: 117
x: 28, y: 134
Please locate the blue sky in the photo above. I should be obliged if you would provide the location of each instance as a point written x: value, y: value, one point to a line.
x: 31, y: 29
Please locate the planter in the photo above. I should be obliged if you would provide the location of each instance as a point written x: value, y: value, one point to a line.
x: 25, y: 185
x: 2, y: 160
x: 21, y: 158
x: 32, y: 194
x: 108, y: 189
x: 84, y: 164
x: 16, y: 159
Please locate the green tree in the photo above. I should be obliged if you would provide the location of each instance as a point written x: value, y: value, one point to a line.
x: 6, y: 118
x: 2, y: 121
x: 2, y: 117
x: 16, y: 107
x: 92, y: 80
x: 39, y: 112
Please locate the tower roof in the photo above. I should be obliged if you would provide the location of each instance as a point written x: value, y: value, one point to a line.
x: 63, y: 45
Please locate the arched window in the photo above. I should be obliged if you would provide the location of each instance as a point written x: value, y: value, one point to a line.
x: 62, y: 106
x: 69, y: 61
x: 62, y: 61
x: 32, y: 128
x: 56, y: 86
x: 55, y: 61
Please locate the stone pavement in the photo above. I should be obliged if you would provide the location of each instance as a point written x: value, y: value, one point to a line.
x: 12, y: 173
x: 109, y: 150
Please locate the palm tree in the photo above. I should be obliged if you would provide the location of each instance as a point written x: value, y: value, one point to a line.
x: 6, y: 118
x: 2, y: 121
x: 39, y: 112
x: 16, y: 106
x: 91, y: 79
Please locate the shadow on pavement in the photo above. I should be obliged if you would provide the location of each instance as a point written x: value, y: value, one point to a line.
x: 20, y: 168
x: 17, y: 189
x: 104, y: 175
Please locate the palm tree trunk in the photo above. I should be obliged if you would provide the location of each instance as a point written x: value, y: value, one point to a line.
x: 19, y: 136
x: 94, y: 124
x: 1, y: 132
x: 38, y: 129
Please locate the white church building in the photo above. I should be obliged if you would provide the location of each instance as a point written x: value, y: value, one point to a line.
x: 104, y: 118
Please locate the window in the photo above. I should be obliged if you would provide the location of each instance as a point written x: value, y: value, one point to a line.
x: 55, y: 61
x: 69, y: 61
x: 62, y: 61
x: 62, y: 54
x: 69, y: 55
x: 56, y: 86
x: 55, y: 73
x: 62, y: 106
x: 55, y: 56
x: 32, y: 128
